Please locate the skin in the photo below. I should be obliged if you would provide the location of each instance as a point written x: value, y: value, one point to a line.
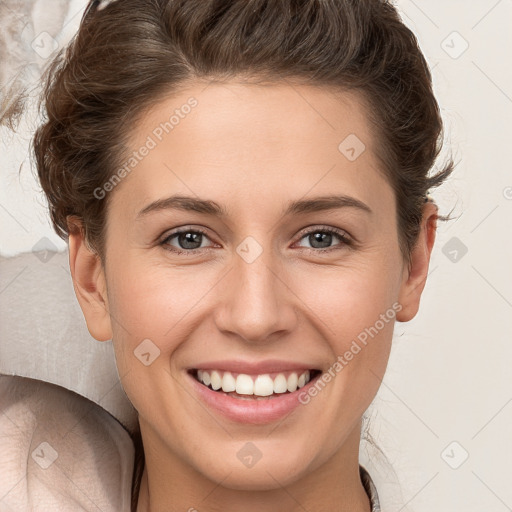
x: 252, y: 149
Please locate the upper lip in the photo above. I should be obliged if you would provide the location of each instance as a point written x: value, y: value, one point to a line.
x: 254, y: 367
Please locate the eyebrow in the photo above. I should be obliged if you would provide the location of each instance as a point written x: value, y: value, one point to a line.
x: 209, y: 207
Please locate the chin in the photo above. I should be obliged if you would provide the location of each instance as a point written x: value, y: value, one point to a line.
x: 261, y: 474
x: 262, y: 479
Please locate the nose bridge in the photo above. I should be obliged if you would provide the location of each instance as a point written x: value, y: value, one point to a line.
x: 256, y: 303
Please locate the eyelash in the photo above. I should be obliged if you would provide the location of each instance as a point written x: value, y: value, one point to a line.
x: 342, y: 235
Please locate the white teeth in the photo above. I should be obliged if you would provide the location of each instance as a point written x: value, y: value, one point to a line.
x: 216, y: 380
x: 280, y: 384
x: 244, y: 385
x: 228, y: 383
x: 262, y: 386
x: 303, y: 379
x: 206, y: 378
x: 292, y: 382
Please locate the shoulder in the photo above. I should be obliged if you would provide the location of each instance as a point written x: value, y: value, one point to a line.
x: 60, y: 451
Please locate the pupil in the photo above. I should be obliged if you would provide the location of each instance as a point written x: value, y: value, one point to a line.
x: 187, y: 240
x: 324, y: 239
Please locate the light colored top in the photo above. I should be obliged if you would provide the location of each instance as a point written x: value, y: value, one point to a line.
x: 62, y: 452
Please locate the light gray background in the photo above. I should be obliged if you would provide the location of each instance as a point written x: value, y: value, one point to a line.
x: 447, y: 393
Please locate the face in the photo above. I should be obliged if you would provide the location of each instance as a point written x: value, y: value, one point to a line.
x: 281, y: 258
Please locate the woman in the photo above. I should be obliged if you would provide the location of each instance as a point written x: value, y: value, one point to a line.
x: 244, y: 188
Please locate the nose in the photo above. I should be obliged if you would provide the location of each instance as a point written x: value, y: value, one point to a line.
x: 256, y: 304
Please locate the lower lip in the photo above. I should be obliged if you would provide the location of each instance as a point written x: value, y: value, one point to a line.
x: 251, y: 411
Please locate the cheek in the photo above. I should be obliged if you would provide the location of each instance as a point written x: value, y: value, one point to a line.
x: 148, y: 300
x: 148, y: 309
x: 355, y: 310
x: 155, y: 302
x: 348, y: 301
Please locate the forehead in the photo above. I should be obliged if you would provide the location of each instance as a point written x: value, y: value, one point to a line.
x: 253, y: 139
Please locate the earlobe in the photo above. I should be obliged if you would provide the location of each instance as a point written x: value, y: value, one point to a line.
x: 415, y: 276
x: 89, y: 282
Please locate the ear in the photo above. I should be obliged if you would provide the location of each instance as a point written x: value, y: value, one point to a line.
x: 89, y: 282
x: 415, y: 275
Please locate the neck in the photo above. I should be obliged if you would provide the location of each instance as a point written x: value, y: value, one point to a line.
x: 171, y: 485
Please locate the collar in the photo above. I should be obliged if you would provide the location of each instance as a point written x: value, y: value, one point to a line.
x: 370, y: 489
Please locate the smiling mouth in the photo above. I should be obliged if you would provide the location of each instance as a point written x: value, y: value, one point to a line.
x: 254, y: 387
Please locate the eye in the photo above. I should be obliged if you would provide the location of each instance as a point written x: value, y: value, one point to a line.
x: 188, y: 240
x: 322, y: 238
